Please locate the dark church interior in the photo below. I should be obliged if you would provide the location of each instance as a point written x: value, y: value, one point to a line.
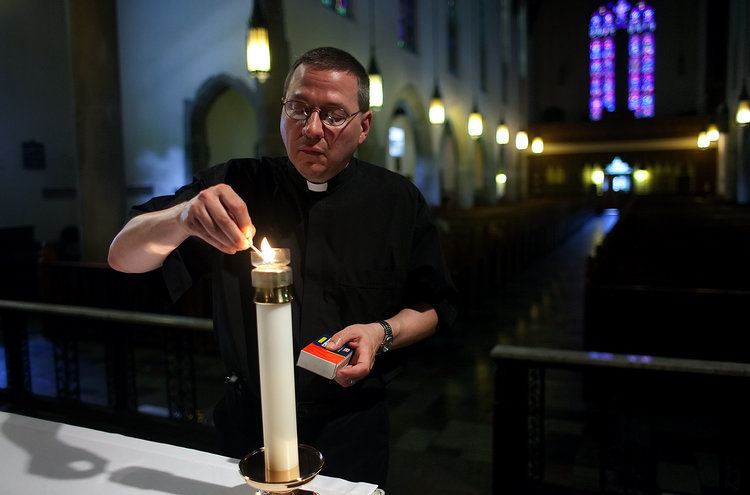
x: 595, y: 229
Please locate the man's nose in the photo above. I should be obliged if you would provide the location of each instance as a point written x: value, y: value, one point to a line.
x: 313, y: 126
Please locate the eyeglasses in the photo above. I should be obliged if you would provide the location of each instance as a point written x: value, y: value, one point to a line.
x: 331, y: 117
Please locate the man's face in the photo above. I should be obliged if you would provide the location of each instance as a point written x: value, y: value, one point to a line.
x: 318, y: 151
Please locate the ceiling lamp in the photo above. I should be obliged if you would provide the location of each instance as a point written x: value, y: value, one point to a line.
x: 475, y: 124
x: 522, y: 140
x: 537, y: 145
x: 713, y: 133
x: 376, y: 85
x: 743, y: 107
x: 257, y: 48
x: 437, y: 109
x: 502, y: 134
x: 703, y: 141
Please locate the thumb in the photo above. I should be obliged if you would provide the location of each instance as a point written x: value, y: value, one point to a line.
x: 338, y: 339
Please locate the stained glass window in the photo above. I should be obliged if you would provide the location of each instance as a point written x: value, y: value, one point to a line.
x: 640, y: 23
x: 341, y: 7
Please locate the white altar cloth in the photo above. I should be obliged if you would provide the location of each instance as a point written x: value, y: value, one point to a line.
x: 43, y: 457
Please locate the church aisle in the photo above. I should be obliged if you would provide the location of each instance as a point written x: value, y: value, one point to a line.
x: 441, y: 417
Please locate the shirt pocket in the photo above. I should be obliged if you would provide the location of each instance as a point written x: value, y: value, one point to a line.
x: 364, y: 296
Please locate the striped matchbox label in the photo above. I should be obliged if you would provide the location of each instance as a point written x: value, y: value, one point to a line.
x: 322, y: 361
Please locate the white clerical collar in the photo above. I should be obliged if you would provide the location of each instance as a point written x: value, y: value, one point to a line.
x: 317, y: 187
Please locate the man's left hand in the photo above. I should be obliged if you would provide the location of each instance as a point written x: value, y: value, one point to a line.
x: 364, y: 339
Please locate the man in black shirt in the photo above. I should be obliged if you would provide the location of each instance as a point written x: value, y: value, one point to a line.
x: 365, y: 257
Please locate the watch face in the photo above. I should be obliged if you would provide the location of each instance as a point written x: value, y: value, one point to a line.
x: 387, y: 338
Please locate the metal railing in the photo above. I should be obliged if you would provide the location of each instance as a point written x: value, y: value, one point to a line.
x: 118, y: 332
x: 615, y: 387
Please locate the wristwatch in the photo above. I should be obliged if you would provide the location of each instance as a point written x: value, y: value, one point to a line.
x: 387, y: 342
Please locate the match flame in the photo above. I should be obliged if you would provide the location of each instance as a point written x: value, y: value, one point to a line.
x: 268, y: 253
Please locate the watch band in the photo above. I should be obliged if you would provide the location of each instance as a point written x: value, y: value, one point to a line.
x: 387, y: 342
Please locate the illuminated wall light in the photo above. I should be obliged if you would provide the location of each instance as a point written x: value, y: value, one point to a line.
x: 436, y: 112
x: 501, y: 179
x: 257, y: 48
x: 522, y: 140
x: 641, y: 175
x: 502, y: 134
x: 537, y: 145
x: 475, y: 124
x: 703, y: 141
x: 376, y: 85
x: 713, y: 133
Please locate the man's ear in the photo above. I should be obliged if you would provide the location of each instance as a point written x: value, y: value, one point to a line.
x: 365, y: 126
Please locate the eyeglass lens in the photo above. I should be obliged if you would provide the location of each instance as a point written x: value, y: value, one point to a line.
x: 298, y: 110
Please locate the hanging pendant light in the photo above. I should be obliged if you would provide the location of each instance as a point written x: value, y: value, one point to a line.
x: 437, y: 109
x: 376, y: 84
x: 703, y: 141
x: 537, y: 145
x: 522, y: 140
x: 713, y: 133
x: 743, y: 107
x: 373, y: 72
x: 257, y: 48
x: 475, y: 124
x: 502, y: 134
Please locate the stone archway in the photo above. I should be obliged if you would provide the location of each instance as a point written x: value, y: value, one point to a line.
x: 197, y: 153
x: 410, y: 108
x: 448, y: 166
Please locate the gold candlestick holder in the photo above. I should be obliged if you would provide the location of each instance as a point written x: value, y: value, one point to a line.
x: 253, y: 470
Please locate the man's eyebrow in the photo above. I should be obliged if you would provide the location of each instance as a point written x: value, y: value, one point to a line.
x: 329, y: 105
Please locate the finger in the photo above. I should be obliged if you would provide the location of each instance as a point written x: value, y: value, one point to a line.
x: 340, y: 338
x: 204, y: 228
x: 353, y: 373
x: 224, y: 227
x: 344, y: 382
x: 200, y: 232
x: 237, y: 209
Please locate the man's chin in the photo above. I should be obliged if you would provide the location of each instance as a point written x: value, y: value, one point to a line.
x: 314, y: 172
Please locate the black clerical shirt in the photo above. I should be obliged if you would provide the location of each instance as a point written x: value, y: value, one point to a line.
x: 361, y: 251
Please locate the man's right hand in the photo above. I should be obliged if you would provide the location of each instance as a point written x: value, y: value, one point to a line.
x: 220, y: 217
x: 217, y: 215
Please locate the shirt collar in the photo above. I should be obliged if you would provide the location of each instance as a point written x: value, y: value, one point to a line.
x: 314, y: 187
x: 339, y: 180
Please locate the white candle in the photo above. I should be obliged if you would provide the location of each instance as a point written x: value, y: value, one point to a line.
x: 272, y: 281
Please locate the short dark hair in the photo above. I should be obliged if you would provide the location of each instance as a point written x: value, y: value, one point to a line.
x: 330, y: 58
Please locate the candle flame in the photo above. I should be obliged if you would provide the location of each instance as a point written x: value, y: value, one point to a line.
x: 267, y: 251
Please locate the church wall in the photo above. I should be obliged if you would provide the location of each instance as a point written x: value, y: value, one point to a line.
x: 36, y: 103
x: 167, y: 50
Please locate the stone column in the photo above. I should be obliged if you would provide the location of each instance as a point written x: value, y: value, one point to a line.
x: 96, y: 89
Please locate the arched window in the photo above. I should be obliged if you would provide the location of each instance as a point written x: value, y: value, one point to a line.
x: 640, y: 23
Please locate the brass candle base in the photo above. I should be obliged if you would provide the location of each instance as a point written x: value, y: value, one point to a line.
x: 253, y: 470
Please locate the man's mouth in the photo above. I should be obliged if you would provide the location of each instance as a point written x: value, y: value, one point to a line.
x: 311, y: 151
